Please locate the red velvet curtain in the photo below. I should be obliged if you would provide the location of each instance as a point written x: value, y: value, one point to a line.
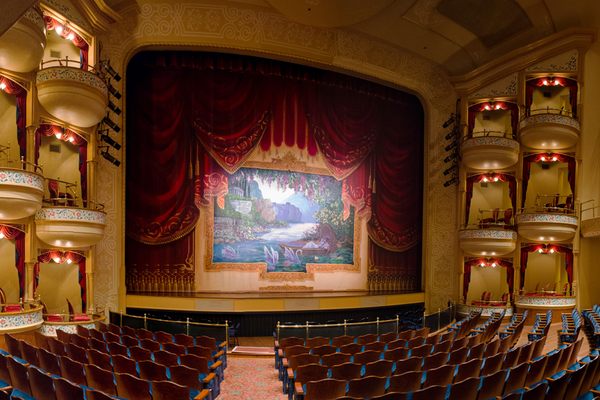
x: 557, y: 81
x: 66, y: 135
x: 63, y: 257
x: 471, y: 180
x: 18, y: 237
x: 510, y: 275
x: 77, y: 40
x: 20, y: 93
x: 197, y: 117
x: 498, y: 105
x: 537, y: 157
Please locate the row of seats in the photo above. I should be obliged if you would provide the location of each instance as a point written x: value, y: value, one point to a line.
x: 591, y: 319
x: 466, y: 325
x: 541, y: 326
x: 490, y: 327
x: 29, y: 382
x: 570, y: 327
x: 521, y: 380
x: 515, y: 326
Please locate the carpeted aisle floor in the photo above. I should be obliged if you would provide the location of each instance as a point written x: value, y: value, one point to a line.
x: 251, y: 378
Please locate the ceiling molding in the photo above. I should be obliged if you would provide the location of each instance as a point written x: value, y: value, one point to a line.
x: 99, y: 15
x: 521, y: 58
x: 12, y: 11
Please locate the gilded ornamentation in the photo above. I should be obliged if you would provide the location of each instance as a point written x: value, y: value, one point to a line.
x: 19, y: 177
x: 489, y: 141
x: 501, y: 234
x: 506, y: 87
x: 71, y: 74
x: 264, y: 32
x: 286, y: 288
x: 566, y: 62
x: 549, y: 119
x: 71, y: 214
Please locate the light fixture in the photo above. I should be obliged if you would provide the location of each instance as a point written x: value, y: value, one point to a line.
x: 450, y: 169
x: 59, y: 30
x: 451, y: 146
x: 449, y: 121
x: 110, y: 70
x: 71, y: 36
x: 109, y: 157
x: 114, y: 108
x: 111, y: 124
x: 451, y: 135
x: 452, y: 181
x: 110, y: 141
x: 1, y: 235
x: 2, y: 85
x: 112, y: 90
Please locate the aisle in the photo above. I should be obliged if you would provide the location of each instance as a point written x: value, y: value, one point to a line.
x: 251, y: 378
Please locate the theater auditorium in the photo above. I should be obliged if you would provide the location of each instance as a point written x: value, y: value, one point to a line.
x: 299, y: 199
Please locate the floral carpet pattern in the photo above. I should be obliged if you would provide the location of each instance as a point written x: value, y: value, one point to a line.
x: 251, y: 378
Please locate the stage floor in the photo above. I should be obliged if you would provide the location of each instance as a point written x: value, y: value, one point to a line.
x: 270, y: 301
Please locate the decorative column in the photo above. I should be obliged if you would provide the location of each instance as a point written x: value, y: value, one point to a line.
x: 89, y: 278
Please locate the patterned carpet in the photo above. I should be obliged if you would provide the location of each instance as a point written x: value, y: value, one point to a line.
x: 251, y: 378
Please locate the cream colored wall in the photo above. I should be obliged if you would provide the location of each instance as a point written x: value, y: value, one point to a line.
x: 8, y: 130
x: 498, y: 121
x: 495, y: 195
x: 65, y: 47
x: 559, y: 99
x: 588, y: 252
x: 9, y: 277
x: 490, y: 279
x: 546, y: 182
x: 59, y: 282
x: 544, y: 269
x: 63, y: 166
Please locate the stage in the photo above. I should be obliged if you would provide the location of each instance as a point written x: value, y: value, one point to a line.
x: 258, y: 313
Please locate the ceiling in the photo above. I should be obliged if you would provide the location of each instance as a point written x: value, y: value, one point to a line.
x: 459, y: 35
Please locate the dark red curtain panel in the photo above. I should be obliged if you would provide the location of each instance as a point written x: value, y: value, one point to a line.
x: 68, y: 136
x: 193, y: 118
x: 560, y: 81
x: 20, y: 93
x: 77, y: 40
x: 18, y: 237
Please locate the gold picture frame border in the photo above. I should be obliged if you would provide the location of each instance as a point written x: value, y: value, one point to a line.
x: 287, y: 163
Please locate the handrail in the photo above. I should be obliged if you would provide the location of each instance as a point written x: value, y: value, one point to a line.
x: 59, y: 63
x: 187, y: 322
x: 593, y: 208
x: 548, y: 210
x: 548, y: 110
x: 6, y: 160
x: 488, y: 133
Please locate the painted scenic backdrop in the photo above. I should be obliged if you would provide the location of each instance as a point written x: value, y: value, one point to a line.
x: 284, y: 219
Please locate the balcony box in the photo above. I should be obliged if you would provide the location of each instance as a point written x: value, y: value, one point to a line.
x: 489, y: 153
x: 546, y: 227
x: 22, y: 45
x: 20, y: 194
x: 549, y: 131
x: 72, y: 95
x: 70, y: 227
x: 590, y: 228
x: 487, y: 242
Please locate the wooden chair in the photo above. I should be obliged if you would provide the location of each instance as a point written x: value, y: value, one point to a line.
x: 99, y: 359
x: 151, y: 371
x: 396, y: 344
x: 326, y: 389
x: 144, y: 334
x: 163, y: 337
x: 165, y: 390
x: 415, y: 342
x: 476, y: 352
x: 97, y: 345
x: 29, y: 353
x: 396, y: 354
x: 181, y: 349
x: 409, y: 364
x: 339, y: 341
x: 13, y: 345
x: 192, y: 378
x: 127, y: 330
x: 439, y: 376
x: 421, y: 351
x: 366, y: 338
x: 100, y: 379
x: 313, y: 342
x: 365, y: 357
x: 351, y: 348
x: 41, y: 340
x: 72, y: 370
x: 466, y: 389
x: 165, y: 357
x: 375, y: 346
x: 405, y: 382
x: 150, y: 344
x: 388, y: 337
x: 97, y: 395
x: 140, y: 354
x: 492, y: 385
x: 443, y: 347
x: 516, y: 378
x: 129, y: 341
x: 392, y: 396
x: 41, y: 384
x: 535, y: 393
x: 536, y: 371
x: 306, y: 373
x: 112, y: 337
x: 67, y: 390
x: 48, y: 362
x: 469, y: 369
x: 124, y: 365
x: 79, y: 340
x: 186, y: 340
x: 132, y: 388
x: 329, y: 360
x: 96, y: 334
x: 346, y: 371
x: 435, y: 360
x: 379, y: 368
x: 430, y: 393
x: 458, y: 356
x: 367, y: 387
x: 492, y: 364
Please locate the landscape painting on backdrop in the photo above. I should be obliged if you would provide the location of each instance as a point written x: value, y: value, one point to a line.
x: 283, y: 219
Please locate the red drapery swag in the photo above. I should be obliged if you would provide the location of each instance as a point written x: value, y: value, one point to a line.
x: 61, y: 257
x: 77, y: 40
x: 540, y: 157
x: 18, y: 237
x: 66, y: 135
x: 553, y: 81
x: 471, y: 180
x: 532, y: 248
x: 20, y: 93
x: 370, y: 136
x: 510, y: 273
x: 498, y: 105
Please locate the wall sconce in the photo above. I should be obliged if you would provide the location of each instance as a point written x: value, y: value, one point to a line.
x: 109, y: 157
